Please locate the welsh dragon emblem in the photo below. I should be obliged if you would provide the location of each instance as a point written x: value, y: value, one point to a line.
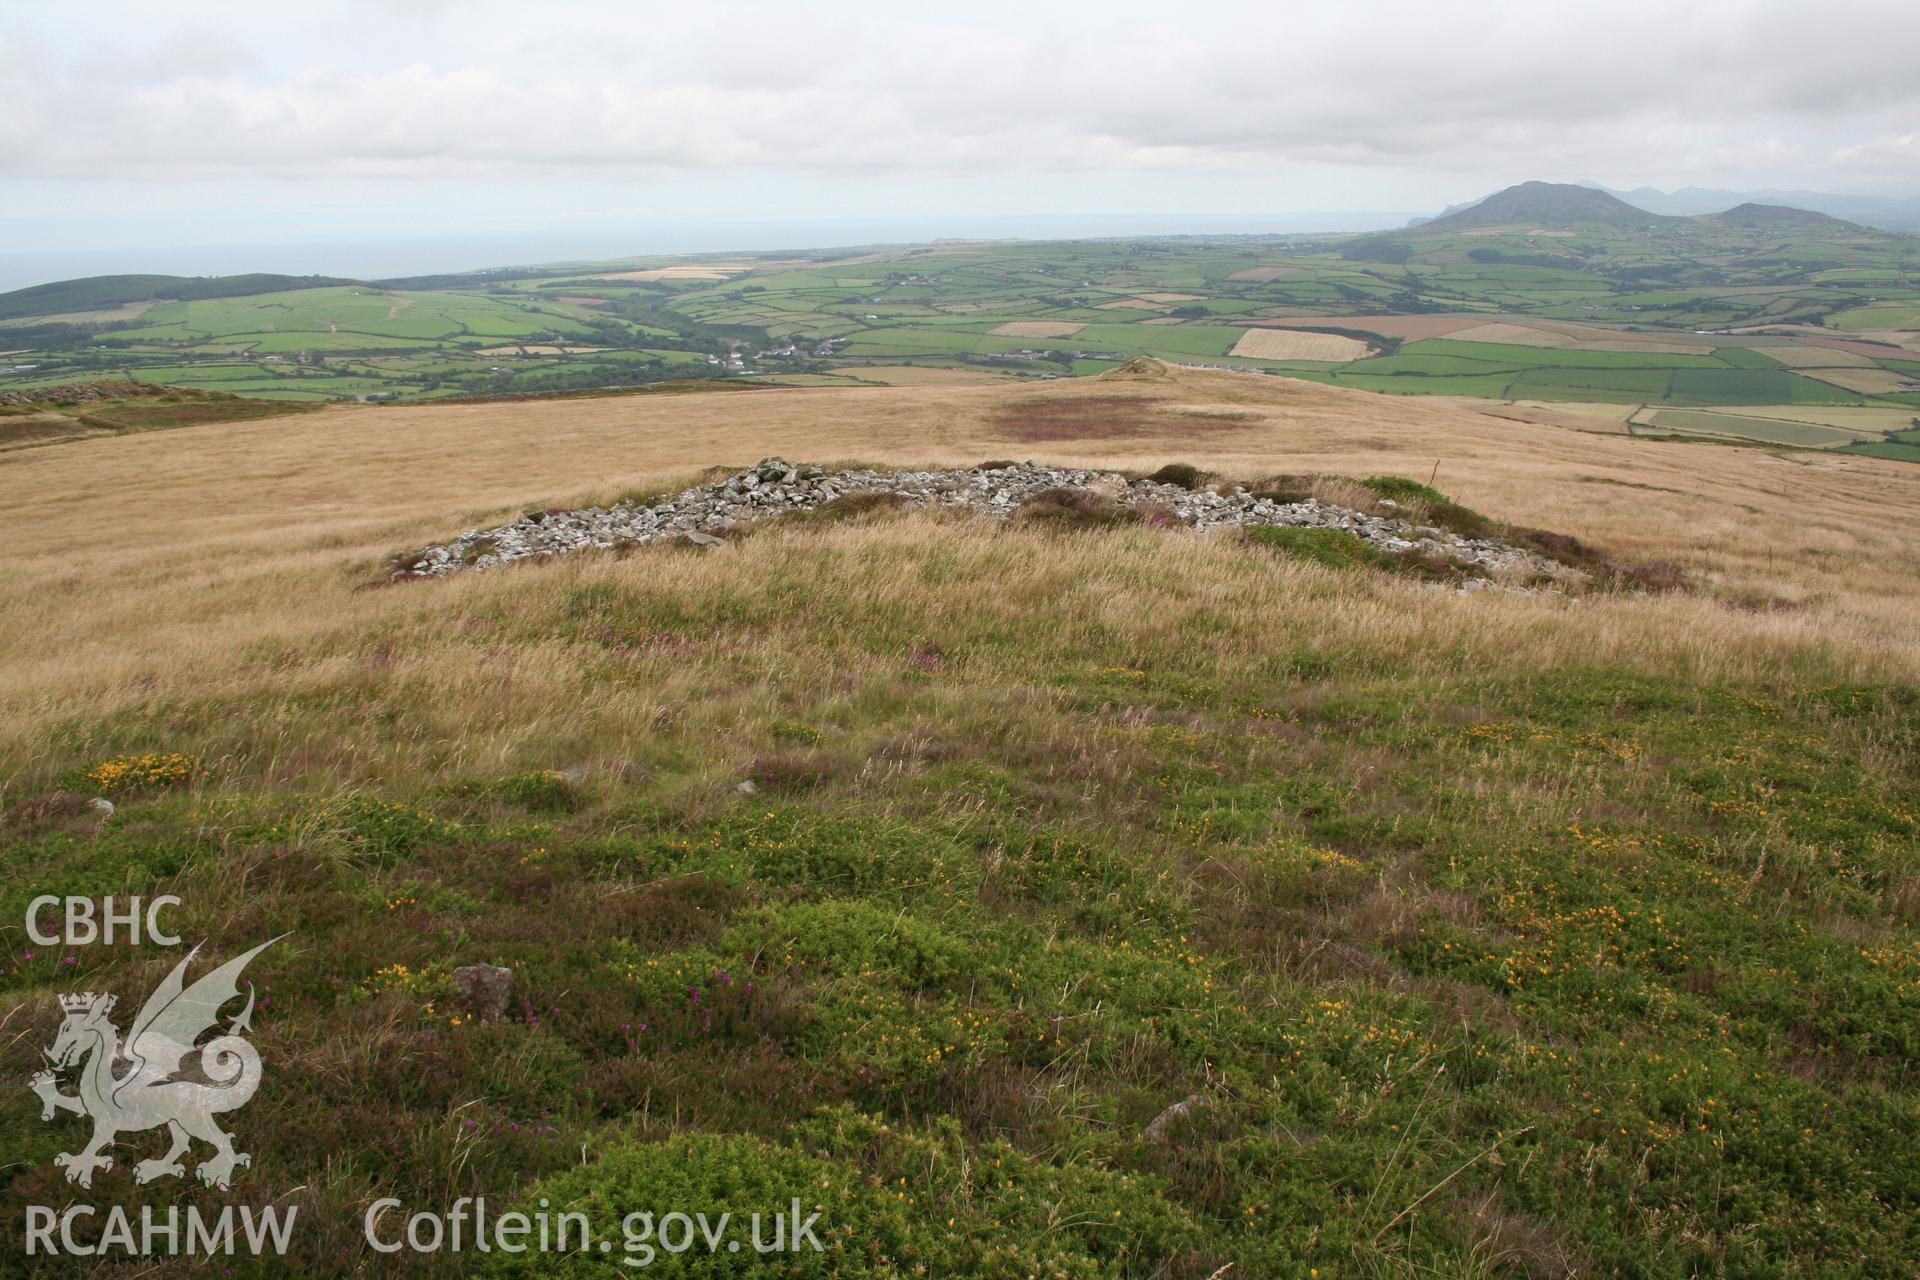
x: 160, y: 1076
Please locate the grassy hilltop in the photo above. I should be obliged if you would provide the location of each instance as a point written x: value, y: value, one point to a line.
x: 1489, y: 935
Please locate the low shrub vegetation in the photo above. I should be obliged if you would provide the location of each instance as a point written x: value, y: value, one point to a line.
x: 1425, y: 503
x: 1183, y: 474
x: 1330, y: 548
x: 1112, y: 904
x: 1076, y: 509
x: 134, y: 772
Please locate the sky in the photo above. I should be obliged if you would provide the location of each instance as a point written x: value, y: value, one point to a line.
x: 382, y: 137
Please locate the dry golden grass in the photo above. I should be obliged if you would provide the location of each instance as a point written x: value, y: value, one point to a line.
x: 693, y: 271
x: 99, y: 315
x: 1872, y: 382
x: 212, y: 569
x: 1519, y: 335
x: 1561, y: 334
x: 1812, y: 357
x: 1905, y: 338
x: 1866, y: 342
x: 1858, y: 417
x: 1295, y: 344
x: 912, y: 375
x: 1410, y: 328
x: 1579, y: 415
x: 536, y: 350
x: 1038, y: 329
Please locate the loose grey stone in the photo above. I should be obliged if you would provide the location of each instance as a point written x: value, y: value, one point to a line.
x: 1157, y: 1128
x: 777, y: 487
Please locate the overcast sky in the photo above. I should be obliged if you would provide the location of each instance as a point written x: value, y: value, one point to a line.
x: 432, y: 134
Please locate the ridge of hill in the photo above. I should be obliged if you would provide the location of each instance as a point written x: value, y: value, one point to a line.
x: 94, y: 292
x: 1755, y: 216
x: 1546, y: 203
x: 1883, y: 213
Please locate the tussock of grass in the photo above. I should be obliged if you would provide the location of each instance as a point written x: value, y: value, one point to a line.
x: 124, y: 408
x: 850, y: 506
x: 1183, y: 474
x: 1329, y: 548
x: 1423, y: 503
x: 1076, y: 509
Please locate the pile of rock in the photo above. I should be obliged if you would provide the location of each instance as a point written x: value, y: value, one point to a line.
x: 776, y: 487
x: 80, y: 393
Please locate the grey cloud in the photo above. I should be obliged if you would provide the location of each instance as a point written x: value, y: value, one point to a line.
x: 493, y: 89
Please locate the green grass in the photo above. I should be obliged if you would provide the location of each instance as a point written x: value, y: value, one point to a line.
x: 749, y: 967
x: 1888, y: 315
x: 1897, y: 450
x: 939, y: 303
x: 1421, y: 364
x: 1744, y: 358
x: 1329, y: 548
x: 1753, y: 386
x: 138, y: 410
x: 1622, y: 386
x: 1490, y: 386
x: 1765, y: 430
x: 1519, y: 357
x: 1595, y: 968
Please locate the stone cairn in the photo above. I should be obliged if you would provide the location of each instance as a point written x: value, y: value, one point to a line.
x: 703, y: 514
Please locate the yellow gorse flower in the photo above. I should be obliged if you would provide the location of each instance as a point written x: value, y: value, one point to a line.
x: 150, y: 770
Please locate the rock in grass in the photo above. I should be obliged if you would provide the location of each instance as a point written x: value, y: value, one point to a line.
x: 1156, y: 1130
x: 483, y: 990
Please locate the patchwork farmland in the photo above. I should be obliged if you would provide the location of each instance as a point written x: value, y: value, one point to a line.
x: 1748, y: 326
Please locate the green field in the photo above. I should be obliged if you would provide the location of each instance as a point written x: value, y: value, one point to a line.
x: 1675, y: 318
x: 1766, y: 430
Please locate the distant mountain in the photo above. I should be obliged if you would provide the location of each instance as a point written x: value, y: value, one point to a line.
x: 1888, y: 213
x: 1544, y: 204
x: 97, y: 293
x: 1768, y: 217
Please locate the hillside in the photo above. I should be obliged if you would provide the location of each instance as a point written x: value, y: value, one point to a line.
x: 1887, y: 213
x: 84, y: 411
x: 1546, y: 204
x: 99, y: 293
x: 1056, y: 895
x: 1771, y: 216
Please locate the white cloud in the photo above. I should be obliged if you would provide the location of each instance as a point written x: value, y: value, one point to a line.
x: 1895, y: 156
x: 492, y: 89
x: 126, y: 123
